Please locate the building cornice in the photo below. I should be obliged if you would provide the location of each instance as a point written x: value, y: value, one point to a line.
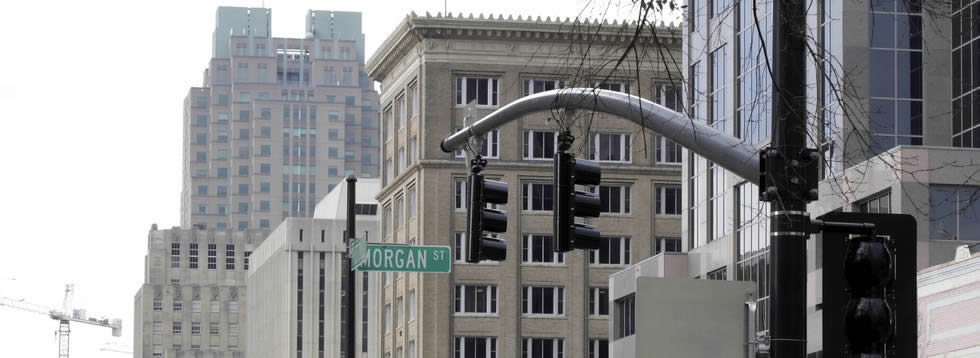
x: 415, y: 28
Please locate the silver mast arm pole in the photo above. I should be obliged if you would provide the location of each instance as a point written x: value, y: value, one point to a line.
x: 721, y: 148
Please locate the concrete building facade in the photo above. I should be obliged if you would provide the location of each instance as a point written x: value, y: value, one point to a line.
x: 193, y: 298
x: 297, y: 284
x: 277, y: 122
x: 949, y: 307
x: 536, y: 303
x: 879, y: 104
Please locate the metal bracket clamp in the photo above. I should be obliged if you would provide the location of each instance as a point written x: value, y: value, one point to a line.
x: 795, y: 174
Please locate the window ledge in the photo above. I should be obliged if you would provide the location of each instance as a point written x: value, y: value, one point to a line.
x: 476, y: 315
x: 542, y: 315
x: 542, y: 264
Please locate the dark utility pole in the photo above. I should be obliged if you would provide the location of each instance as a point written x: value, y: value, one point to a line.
x: 349, y: 271
x: 788, y: 181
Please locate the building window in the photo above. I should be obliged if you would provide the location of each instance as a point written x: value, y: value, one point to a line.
x: 490, y: 148
x: 540, y: 249
x: 543, y: 300
x: 413, y: 99
x: 754, y: 94
x: 542, y: 348
x: 954, y: 213
x: 192, y: 253
x: 389, y: 171
x: 668, y: 200
x: 475, y: 347
x: 196, y: 328
x: 878, y: 204
x: 538, y: 86
x: 215, y: 306
x: 614, y: 199
x: 612, y: 251
x: 625, y: 322
x: 667, y: 95
x: 175, y: 255
x: 212, y: 256
x: 611, y: 148
x: 539, y: 144
x: 389, y: 125
x: 668, y: 152
x: 598, y: 348
x: 477, y: 299
x: 387, y: 318
x: 178, y: 327
x: 401, y: 161
x: 614, y: 86
x: 721, y: 213
x: 719, y: 274
x: 178, y: 306
x: 459, y: 245
x: 233, y: 329
x: 157, y: 304
x: 896, y: 76
x: 598, y: 301
x: 157, y: 350
x: 483, y: 90
x: 752, y: 247
x: 461, y: 196
x: 386, y: 217
x: 229, y: 257
x: 402, y: 113
x: 413, y: 150
x: 213, y: 328
x: 667, y: 244
x: 400, y: 212
x: 719, y: 80
x: 537, y: 197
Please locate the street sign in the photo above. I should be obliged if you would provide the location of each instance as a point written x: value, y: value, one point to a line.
x: 404, y: 258
x: 358, y: 252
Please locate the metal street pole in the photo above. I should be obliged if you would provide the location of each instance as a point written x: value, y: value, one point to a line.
x: 787, y: 184
x: 349, y: 270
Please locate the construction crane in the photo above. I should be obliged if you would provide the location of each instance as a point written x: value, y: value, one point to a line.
x: 64, y: 316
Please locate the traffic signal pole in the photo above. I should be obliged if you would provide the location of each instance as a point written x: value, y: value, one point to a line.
x: 788, y: 183
x: 349, y: 269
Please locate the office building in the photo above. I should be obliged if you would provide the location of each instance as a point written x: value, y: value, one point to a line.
x: 298, y: 279
x: 277, y: 122
x: 879, y: 103
x: 536, y: 303
x: 193, y: 297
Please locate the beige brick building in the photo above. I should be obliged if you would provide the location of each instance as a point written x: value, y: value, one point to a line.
x: 536, y: 303
x: 277, y: 122
x: 193, y: 298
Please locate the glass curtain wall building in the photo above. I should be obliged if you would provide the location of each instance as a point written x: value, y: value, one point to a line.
x: 881, y: 86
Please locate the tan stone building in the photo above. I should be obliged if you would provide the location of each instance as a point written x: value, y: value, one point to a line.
x: 277, y: 121
x: 193, y: 298
x: 536, y: 303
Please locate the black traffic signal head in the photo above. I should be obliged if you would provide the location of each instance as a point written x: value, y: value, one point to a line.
x: 869, y: 304
x: 570, y: 203
x: 867, y: 266
x: 480, y: 219
x: 867, y: 324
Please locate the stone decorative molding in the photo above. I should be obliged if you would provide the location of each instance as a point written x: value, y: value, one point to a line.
x: 414, y: 28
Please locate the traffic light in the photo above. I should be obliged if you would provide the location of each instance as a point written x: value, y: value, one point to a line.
x: 480, y: 219
x: 869, y: 289
x: 867, y: 272
x: 570, y: 203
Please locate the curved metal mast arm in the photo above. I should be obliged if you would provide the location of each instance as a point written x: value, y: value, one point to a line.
x: 721, y: 148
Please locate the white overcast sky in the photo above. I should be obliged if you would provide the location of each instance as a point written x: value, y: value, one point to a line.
x: 90, y: 134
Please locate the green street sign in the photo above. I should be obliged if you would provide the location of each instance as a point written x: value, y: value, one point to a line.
x: 358, y: 252
x: 404, y: 258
